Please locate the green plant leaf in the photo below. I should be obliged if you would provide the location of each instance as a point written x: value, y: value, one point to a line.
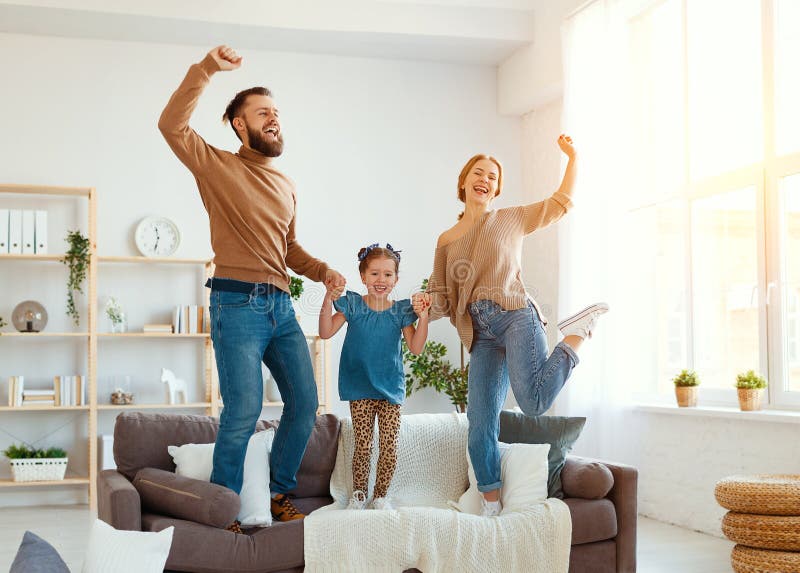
x: 77, y: 259
x: 430, y: 369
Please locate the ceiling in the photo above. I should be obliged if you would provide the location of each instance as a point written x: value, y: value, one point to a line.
x: 483, y: 32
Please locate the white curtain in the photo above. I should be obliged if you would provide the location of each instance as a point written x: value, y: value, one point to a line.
x: 594, y: 240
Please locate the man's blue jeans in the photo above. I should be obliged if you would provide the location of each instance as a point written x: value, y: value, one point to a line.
x: 246, y: 329
x: 508, y: 347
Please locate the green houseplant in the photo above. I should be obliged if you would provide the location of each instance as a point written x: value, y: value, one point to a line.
x: 295, y: 287
x: 2, y: 323
x: 750, y: 386
x: 36, y: 464
x: 77, y: 259
x: 686, y: 383
x: 430, y: 369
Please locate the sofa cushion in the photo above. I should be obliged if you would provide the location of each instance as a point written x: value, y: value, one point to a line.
x: 314, y: 475
x: 141, y: 439
x: 558, y: 431
x: 197, y: 461
x: 586, y: 479
x: 204, y: 549
x: 186, y: 498
x: 592, y: 520
x: 35, y: 555
x: 110, y: 549
x: 523, y: 471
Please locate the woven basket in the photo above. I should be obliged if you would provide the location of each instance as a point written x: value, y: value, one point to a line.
x: 763, y: 531
x: 760, y: 494
x: 686, y: 396
x: 38, y: 469
x: 749, y: 560
x: 749, y: 398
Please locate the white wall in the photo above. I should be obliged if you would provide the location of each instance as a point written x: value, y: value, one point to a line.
x: 375, y: 147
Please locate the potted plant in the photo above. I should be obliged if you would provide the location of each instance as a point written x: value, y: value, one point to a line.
x: 116, y: 315
x: 750, y: 387
x: 34, y: 464
x: 2, y: 323
x: 77, y: 259
x: 686, y: 383
x: 430, y: 369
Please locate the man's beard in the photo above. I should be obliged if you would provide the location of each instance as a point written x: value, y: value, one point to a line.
x: 258, y: 141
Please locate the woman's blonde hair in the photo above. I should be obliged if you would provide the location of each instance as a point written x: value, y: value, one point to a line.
x: 461, y: 193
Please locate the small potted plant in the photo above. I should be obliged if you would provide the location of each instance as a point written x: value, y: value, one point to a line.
x: 2, y: 322
x: 34, y: 464
x: 750, y: 386
x: 686, y: 383
x: 116, y: 315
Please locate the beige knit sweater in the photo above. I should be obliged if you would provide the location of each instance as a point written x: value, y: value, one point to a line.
x: 485, y: 262
x: 250, y: 204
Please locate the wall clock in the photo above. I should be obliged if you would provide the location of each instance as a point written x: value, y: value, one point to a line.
x: 157, y: 237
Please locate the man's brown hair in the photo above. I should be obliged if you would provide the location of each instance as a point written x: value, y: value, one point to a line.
x: 236, y: 104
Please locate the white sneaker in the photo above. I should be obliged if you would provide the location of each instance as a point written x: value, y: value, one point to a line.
x: 382, y: 503
x: 358, y: 501
x: 490, y: 508
x: 582, y: 323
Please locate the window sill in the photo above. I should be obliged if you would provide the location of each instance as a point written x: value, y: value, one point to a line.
x: 785, y: 416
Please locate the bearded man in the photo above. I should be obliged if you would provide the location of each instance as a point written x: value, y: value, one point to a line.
x: 251, y: 210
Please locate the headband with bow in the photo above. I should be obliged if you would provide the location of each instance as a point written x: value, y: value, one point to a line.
x: 363, y: 254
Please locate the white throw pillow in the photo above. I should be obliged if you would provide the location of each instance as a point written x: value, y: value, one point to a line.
x: 126, y: 551
x: 523, y: 471
x: 197, y: 460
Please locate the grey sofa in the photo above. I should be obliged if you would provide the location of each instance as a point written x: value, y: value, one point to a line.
x: 603, y: 533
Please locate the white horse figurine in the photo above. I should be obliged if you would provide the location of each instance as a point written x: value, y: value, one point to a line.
x: 175, y: 386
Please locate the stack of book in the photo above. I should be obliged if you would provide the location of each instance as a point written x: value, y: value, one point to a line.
x: 70, y: 390
x: 66, y: 391
x: 190, y: 319
x: 38, y: 398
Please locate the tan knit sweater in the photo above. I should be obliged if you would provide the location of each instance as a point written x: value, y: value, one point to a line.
x: 250, y: 204
x: 484, y: 263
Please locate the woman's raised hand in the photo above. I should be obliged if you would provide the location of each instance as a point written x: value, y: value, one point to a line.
x: 565, y: 143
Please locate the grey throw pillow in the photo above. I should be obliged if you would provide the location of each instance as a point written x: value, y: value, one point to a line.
x: 560, y: 432
x: 35, y: 555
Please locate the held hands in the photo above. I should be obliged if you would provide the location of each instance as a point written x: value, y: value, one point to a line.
x: 565, y: 143
x: 227, y: 59
x: 421, y: 302
x: 334, y: 284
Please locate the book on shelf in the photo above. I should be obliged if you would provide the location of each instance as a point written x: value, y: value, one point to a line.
x: 16, y: 386
x: 191, y: 319
x: 38, y: 398
x: 157, y: 328
x: 38, y: 403
x: 69, y: 390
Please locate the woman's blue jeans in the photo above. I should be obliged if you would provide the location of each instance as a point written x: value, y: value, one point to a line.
x: 509, y: 347
x: 247, y: 329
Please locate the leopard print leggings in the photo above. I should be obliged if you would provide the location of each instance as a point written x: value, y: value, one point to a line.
x: 363, y: 413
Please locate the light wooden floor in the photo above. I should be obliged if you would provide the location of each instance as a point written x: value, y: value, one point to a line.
x: 662, y: 548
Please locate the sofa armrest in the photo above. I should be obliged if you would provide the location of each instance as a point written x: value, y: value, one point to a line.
x: 623, y: 495
x: 118, y: 502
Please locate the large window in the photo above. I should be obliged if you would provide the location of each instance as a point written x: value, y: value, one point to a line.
x: 714, y: 104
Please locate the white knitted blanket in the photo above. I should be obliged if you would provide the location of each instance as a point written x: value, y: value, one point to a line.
x: 423, y: 532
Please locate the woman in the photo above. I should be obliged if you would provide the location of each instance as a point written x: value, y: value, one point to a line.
x: 477, y: 282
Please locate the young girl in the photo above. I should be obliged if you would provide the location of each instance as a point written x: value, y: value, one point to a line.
x: 371, y: 367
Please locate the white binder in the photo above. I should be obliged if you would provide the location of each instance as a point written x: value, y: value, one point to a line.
x: 15, y: 231
x: 28, y: 232
x: 3, y: 230
x: 41, y: 232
